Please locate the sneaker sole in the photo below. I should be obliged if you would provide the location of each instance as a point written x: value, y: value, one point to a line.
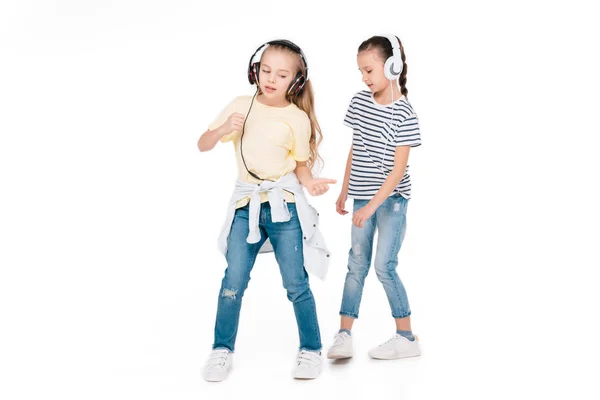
x: 339, y: 356
x: 216, y: 377
x: 396, y: 356
x: 305, y: 377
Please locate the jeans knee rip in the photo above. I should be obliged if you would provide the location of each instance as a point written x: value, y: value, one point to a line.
x: 229, y: 293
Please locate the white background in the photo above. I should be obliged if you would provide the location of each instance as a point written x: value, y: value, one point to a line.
x: 109, y: 214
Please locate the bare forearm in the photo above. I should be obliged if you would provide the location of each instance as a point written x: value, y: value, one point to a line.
x: 346, y: 183
x: 387, y: 188
x: 209, y: 139
x: 303, y: 173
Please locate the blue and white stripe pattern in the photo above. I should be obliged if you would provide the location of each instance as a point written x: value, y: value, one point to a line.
x: 378, y: 130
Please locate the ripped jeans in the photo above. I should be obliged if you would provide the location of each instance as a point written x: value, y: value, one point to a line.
x: 390, y: 222
x: 286, y: 238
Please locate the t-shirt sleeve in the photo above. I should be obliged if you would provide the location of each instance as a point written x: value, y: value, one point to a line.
x: 232, y: 107
x: 350, y: 118
x: 408, y: 133
x: 301, y: 137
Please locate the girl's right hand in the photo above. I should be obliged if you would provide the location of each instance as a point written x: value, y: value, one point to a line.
x: 233, y: 123
x: 341, y: 203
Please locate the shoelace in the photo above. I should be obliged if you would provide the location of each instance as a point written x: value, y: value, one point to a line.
x: 395, y: 337
x: 217, y: 358
x: 339, y: 338
x: 309, y: 358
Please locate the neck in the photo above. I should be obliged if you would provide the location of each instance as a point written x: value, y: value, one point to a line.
x: 389, y: 94
x: 277, y: 102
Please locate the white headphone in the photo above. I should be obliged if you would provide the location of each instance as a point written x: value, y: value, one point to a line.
x: 393, y: 65
x: 391, y: 69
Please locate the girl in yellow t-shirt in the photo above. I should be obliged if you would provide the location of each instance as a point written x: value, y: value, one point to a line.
x: 275, y: 133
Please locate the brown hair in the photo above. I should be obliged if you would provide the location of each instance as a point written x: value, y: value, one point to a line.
x: 383, y: 45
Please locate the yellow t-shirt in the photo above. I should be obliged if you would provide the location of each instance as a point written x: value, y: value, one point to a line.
x: 274, y: 139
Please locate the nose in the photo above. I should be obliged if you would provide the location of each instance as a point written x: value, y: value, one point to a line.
x: 364, y: 77
x: 272, y: 77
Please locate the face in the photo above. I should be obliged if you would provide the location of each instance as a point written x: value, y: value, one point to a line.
x: 277, y: 69
x: 370, y: 66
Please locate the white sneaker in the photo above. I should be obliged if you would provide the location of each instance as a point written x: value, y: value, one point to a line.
x: 218, y: 365
x: 308, y: 365
x: 341, y: 347
x: 397, y: 347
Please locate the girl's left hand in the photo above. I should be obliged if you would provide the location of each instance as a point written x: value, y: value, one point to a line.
x: 318, y: 186
x: 362, y: 214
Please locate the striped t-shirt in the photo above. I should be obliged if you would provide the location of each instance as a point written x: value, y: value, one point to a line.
x: 375, y: 138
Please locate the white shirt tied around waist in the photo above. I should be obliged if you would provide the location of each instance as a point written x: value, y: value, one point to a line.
x: 316, y: 254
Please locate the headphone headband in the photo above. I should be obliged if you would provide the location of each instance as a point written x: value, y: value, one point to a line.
x: 299, y: 80
x: 394, y: 64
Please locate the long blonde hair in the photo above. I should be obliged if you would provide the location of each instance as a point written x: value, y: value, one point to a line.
x: 305, y: 101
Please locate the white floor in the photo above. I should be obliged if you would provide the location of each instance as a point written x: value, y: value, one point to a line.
x: 146, y: 336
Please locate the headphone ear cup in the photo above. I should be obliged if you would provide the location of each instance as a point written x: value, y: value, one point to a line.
x: 297, y: 85
x: 301, y: 84
x: 390, y: 69
x: 253, y: 73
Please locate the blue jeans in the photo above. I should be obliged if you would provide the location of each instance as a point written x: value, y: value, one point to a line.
x: 390, y: 221
x: 286, y: 238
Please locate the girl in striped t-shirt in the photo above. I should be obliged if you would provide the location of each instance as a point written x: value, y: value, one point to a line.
x: 385, y: 127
